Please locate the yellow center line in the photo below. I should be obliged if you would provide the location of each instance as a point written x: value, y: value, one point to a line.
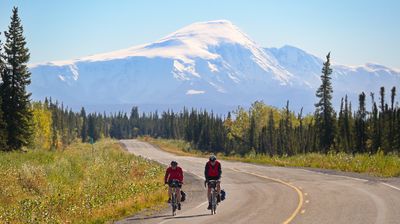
x: 288, y: 220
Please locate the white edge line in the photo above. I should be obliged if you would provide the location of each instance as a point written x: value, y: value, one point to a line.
x: 353, y: 178
x: 202, y: 204
x: 167, y: 220
x: 331, y: 174
x: 391, y: 186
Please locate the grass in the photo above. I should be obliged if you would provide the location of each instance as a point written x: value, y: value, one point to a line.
x: 376, y: 165
x: 77, y: 185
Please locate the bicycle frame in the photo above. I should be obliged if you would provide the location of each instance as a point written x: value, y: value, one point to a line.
x: 174, y: 201
x: 213, y: 186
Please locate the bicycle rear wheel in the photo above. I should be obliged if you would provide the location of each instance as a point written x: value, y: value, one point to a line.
x: 213, y: 202
x: 173, y: 204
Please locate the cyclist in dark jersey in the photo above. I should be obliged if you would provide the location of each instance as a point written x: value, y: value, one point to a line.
x: 213, y: 171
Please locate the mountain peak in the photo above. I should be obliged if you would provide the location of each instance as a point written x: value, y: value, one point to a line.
x: 190, y: 41
x: 210, y: 33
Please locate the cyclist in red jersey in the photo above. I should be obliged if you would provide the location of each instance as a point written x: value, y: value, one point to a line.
x: 174, y: 172
x: 213, y: 171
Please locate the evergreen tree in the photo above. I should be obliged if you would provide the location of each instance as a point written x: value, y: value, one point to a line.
x: 84, y: 129
x: 392, y: 121
x: 360, y: 126
x: 288, y: 138
x: 341, y: 132
x: 382, y: 99
x: 392, y: 97
x: 397, y: 130
x: 93, y: 127
x: 263, y: 141
x: 348, y: 125
x: 134, y: 122
x: 301, y: 140
x: 3, y: 131
x: 16, y: 76
x: 252, y: 133
x: 271, y: 143
x: 3, y: 125
x: 325, y: 120
x: 374, y: 124
x: 384, y: 123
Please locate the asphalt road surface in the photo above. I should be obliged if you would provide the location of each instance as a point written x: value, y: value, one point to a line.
x: 267, y: 194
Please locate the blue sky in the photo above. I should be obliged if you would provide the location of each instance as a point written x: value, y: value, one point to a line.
x: 356, y: 31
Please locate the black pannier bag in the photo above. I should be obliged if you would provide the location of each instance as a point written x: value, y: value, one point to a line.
x: 183, y: 196
x: 223, y: 195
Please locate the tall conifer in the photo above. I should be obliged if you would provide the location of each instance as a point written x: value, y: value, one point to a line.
x: 16, y: 76
x: 325, y: 115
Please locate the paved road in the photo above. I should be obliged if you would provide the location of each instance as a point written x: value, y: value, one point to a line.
x: 265, y: 194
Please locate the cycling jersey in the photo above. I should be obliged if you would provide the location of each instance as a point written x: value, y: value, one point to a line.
x: 212, y: 172
x: 172, y: 174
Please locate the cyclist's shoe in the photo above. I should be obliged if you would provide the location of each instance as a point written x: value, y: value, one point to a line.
x: 169, y: 200
x: 209, y: 206
x: 179, y: 206
x: 218, y: 198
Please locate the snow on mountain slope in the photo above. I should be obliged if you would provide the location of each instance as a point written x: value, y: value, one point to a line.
x: 209, y: 64
x: 308, y: 67
x: 196, y: 41
x: 350, y: 80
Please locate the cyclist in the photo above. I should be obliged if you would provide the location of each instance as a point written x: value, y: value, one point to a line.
x: 213, y: 171
x: 174, y: 172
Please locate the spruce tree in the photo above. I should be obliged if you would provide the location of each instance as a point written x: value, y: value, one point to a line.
x: 348, y: 124
x: 252, y: 133
x: 374, y: 124
x: 3, y: 131
x: 361, y: 129
x: 84, y: 129
x: 3, y: 125
x: 16, y: 76
x: 324, y: 114
x: 341, y: 132
x: 271, y: 143
x: 392, y: 97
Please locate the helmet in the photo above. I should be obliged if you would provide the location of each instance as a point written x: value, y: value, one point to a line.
x: 174, y: 163
x: 213, y: 158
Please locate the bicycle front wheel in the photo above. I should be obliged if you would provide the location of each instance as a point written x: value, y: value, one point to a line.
x: 173, y: 204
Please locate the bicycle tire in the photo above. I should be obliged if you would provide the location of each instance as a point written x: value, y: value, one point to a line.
x: 213, y: 202
x: 173, y: 204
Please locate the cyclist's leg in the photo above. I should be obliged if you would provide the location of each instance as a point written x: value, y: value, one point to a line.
x: 209, y: 196
x: 209, y: 193
x: 218, y: 192
x: 169, y: 192
x: 178, y: 194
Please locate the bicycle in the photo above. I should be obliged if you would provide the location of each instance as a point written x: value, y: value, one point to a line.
x: 213, y: 185
x: 174, y: 202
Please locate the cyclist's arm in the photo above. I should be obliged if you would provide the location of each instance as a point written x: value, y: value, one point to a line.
x: 166, y: 176
x: 181, y: 177
x: 205, y: 172
x: 219, y: 171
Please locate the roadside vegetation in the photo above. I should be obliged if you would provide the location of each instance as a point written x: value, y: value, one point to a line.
x: 80, y: 184
x: 378, y: 164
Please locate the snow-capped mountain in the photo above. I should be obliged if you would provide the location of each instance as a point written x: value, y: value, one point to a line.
x: 211, y: 65
x: 346, y: 80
